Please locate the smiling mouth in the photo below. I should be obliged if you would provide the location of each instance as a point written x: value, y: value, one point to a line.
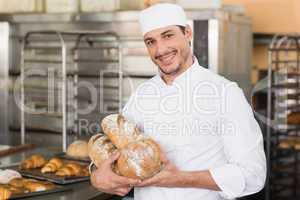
x: 167, y: 59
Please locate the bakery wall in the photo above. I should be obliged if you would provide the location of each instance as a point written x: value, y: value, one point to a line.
x: 269, y: 17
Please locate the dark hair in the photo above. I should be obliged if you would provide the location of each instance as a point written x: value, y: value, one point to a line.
x: 182, y: 28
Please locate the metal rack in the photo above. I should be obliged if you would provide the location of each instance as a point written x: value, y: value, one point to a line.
x: 283, y: 131
x: 56, y: 60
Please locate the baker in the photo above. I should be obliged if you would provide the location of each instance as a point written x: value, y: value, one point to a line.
x: 213, y: 146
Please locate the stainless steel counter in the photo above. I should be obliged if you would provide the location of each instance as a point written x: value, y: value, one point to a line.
x: 80, y: 191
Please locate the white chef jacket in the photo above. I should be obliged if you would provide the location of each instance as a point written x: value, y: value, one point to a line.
x: 203, y: 122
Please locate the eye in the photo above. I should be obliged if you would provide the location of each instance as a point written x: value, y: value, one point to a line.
x: 149, y: 42
x: 168, y: 36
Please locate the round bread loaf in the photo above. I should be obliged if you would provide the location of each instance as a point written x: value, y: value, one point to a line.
x: 140, y: 155
x: 78, y: 148
x: 120, y: 131
x: 140, y: 159
x: 100, y: 148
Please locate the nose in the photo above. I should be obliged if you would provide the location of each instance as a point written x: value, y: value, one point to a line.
x: 161, y: 48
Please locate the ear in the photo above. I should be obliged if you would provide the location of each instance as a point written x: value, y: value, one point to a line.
x: 188, y: 32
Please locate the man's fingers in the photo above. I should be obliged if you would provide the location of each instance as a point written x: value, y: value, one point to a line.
x: 115, y: 155
x: 163, y: 157
x: 120, y: 194
x: 145, y: 183
x: 122, y: 191
x: 126, y: 181
x: 148, y: 182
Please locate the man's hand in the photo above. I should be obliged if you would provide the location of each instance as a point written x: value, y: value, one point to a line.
x: 105, y: 180
x: 170, y: 176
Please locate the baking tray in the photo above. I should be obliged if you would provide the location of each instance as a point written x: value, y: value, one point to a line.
x: 63, y: 155
x: 37, y: 174
x: 57, y: 189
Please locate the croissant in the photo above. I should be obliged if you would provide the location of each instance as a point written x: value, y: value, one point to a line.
x: 17, y: 182
x: 85, y: 172
x: 17, y: 190
x: 52, y: 166
x: 34, y: 161
x: 70, y: 169
x: 37, y: 186
x: 5, y: 193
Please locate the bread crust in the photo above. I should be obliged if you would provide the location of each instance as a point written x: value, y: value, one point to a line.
x: 139, y: 155
x: 5, y: 193
x: 120, y: 131
x: 52, y: 166
x: 141, y: 159
x: 100, y: 149
x: 70, y: 169
x: 34, y: 161
x: 78, y: 149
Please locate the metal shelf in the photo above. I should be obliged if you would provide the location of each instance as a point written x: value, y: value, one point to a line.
x: 283, y: 98
x: 64, y: 53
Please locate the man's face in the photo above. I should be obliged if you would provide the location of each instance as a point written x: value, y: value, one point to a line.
x: 169, y: 47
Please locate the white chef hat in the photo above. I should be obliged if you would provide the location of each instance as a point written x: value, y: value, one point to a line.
x: 161, y: 15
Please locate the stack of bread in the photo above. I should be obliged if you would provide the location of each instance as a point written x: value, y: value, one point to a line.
x: 139, y: 155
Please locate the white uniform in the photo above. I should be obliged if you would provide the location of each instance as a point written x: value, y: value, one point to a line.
x: 203, y: 122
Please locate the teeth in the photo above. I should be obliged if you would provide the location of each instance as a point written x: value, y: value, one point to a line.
x: 168, y: 57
